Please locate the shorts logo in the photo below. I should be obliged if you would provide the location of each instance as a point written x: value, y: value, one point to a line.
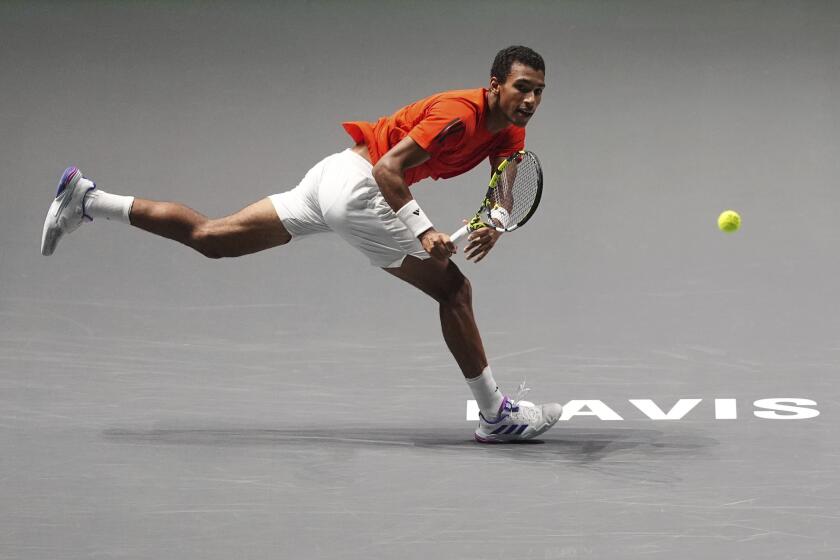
x: 416, y: 212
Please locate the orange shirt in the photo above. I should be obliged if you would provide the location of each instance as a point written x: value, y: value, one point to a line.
x: 449, y: 125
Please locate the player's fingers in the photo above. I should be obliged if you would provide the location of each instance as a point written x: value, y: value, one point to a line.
x: 477, y: 256
x: 433, y: 250
x: 485, y: 248
x: 478, y: 250
x: 446, y: 249
x: 482, y: 255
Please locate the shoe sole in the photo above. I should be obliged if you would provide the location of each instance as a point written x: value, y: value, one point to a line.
x: 513, y: 439
x: 51, y: 233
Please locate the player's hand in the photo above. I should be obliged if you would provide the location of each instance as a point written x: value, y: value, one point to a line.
x: 437, y: 244
x: 481, y: 241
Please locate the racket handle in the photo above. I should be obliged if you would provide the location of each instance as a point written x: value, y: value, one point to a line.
x: 456, y: 237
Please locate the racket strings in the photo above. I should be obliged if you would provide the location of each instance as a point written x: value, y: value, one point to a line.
x: 516, y: 191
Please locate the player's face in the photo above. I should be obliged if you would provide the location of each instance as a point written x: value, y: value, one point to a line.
x: 520, y: 94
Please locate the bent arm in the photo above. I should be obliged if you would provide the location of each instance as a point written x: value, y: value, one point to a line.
x: 389, y: 171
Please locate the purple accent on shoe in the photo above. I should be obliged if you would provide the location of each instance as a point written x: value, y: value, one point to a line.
x: 482, y: 440
x: 68, y: 174
x: 499, y: 430
x: 521, y: 429
x: 512, y: 429
x: 500, y: 415
x: 508, y: 406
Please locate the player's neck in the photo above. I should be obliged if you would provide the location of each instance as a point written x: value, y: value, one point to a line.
x: 495, y: 119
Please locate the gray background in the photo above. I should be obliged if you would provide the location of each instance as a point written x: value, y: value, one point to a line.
x: 300, y: 403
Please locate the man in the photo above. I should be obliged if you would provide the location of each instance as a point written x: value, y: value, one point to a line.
x: 362, y: 194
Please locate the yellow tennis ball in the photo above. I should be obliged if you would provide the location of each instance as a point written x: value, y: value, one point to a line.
x: 729, y: 221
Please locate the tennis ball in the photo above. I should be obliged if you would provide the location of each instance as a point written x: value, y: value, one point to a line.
x: 729, y: 221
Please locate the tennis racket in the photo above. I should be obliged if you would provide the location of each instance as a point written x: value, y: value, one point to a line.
x: 512, y: 197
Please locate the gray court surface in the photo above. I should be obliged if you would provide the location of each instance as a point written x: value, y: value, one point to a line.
x: 301, y: 404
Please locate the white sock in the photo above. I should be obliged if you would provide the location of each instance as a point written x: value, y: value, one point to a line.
x: 486, y: 393
x: 99, y: 204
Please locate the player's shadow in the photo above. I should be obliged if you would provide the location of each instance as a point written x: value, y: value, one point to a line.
x: 570, y: 445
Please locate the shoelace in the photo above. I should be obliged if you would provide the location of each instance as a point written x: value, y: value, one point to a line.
x: 531, y: 413
x: 520, y: 393
x: 512, y: 403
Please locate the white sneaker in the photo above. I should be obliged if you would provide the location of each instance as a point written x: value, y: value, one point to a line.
x: 517, y: 420
x: 67, y: 211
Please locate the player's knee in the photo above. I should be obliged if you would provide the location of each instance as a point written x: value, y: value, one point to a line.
x: 457, y: 292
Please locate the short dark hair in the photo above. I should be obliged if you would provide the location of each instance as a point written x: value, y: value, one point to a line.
x: 517, y: 53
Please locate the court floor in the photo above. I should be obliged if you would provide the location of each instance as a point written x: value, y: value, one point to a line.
x: 120, y: 444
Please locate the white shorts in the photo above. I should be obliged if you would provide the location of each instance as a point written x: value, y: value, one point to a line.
x: 340, y: 195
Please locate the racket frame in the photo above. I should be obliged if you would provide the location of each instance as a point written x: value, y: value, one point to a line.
x: 487, y: 204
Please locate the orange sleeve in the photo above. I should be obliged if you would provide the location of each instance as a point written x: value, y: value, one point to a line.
x: 444, y: 124
x: 512, y: 140
x: 354, y: 129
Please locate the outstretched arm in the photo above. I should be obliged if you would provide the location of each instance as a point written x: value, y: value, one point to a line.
x: 389, y: 173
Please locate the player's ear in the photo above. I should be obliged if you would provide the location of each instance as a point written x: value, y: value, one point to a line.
x: 494, y: 85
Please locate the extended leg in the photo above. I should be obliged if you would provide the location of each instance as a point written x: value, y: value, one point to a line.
x: 254, y: 228
x: 444, y: 282
x: 502, y: 419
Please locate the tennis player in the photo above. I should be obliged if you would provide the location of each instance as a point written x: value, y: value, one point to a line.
x: 362, y: 194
